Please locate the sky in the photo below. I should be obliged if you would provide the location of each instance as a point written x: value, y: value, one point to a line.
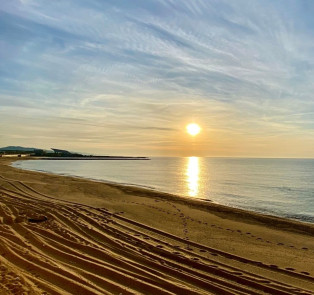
x: 118, y: 77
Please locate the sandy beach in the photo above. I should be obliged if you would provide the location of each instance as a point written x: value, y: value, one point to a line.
x: 65, y: 235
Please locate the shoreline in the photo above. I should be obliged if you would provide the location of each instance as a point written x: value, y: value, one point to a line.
x: 205, y: 204
x: 64, y: 234
x: 99, y: 158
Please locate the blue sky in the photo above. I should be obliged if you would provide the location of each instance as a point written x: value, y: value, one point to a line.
x: 125, y: 77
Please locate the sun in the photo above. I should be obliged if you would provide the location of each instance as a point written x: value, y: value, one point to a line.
x: 193, y: 129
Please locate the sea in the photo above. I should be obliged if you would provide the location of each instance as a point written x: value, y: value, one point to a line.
x: 279, y: 187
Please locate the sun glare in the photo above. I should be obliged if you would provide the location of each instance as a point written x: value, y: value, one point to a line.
x: 192, y: 173
x: 193, y: 129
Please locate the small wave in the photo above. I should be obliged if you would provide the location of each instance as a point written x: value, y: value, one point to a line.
x: 300, y: 217
x: 278, y: 196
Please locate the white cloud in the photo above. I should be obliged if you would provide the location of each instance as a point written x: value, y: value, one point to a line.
x: 239, y: 67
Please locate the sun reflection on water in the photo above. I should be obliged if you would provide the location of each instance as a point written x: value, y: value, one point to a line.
x: 192, y: 173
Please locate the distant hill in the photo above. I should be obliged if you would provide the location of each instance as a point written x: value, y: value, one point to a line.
x: 18, y: 148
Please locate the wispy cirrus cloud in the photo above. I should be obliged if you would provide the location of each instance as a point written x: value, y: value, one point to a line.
x: 240, y: 68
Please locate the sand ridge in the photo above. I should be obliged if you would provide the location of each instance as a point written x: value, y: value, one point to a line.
x: 61, y: 235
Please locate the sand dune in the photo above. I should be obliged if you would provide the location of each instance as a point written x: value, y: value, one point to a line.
x: 62, y: 235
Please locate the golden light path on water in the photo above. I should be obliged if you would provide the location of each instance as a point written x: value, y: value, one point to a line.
x: 192, y: 173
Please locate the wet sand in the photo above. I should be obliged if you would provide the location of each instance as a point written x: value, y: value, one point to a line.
x: 65, y: 235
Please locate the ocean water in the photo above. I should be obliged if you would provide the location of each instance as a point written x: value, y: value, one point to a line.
x: 280, y: 187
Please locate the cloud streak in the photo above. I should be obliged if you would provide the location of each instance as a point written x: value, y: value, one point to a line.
x: 236, y: 67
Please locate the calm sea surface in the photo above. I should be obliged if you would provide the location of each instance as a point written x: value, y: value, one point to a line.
x: 282, y: 187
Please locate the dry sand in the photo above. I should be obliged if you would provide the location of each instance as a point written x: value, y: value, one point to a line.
x: 64, y: 235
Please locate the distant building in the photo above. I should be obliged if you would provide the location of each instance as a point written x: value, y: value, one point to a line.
x: 62, y: 152
x: 14, y: 155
